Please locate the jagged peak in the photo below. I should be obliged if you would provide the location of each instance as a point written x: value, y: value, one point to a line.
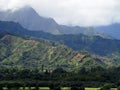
x: 26, y: 8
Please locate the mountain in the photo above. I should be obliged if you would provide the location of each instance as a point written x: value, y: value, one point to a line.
x: 112, y: 30
x: 38, y: 53
x: 92, y: 44
x: 31, y: 20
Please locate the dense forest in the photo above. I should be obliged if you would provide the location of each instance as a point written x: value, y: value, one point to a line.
x: 97, y: 77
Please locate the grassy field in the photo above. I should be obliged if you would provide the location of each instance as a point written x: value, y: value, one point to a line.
x: 65, y: 88
x: 92, y: 88
x: 44, y: 88
x: 5, y: 88
x: 113, y: 89
x: 32, y: 88
x: 27, y: 88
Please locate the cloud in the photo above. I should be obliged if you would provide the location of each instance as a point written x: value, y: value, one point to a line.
x: 72, y: 12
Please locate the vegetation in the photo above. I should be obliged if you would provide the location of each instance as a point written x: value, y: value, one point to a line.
x: 92, y: 88
x: 65, y: 88
x: 113, y: 89
x: 14, y: 77
x: 44, y: 55
x: 32, y: 62
x: 92, y: 44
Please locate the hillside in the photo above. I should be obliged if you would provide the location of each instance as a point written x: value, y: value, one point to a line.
x: 94, y: 44
x: 39, y: 53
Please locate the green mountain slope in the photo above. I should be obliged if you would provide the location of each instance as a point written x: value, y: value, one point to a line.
x: 38, y: 53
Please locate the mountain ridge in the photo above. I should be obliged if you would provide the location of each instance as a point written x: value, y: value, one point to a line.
x: 113, y: 30
x: 32, y: 53
x: 31, y: 20
x: 94, y: 45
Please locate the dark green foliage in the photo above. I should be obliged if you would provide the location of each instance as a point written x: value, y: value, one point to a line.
x: 118, y: 88
x: 16, y: 77
x: 77, y: 88
x: 59, y: 70
x: 106, y: 86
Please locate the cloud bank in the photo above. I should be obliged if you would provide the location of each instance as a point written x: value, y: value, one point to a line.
x: 72, y: 12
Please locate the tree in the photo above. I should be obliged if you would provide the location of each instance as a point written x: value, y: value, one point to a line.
x: 106, y: 86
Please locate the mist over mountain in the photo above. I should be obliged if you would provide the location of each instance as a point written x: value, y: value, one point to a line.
x: 31, y: 20
x: 112, y: 30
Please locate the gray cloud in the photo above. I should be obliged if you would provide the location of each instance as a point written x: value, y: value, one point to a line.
x: 72, y: 12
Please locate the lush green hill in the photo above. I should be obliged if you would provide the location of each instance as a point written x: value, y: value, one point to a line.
x: 38, y: 53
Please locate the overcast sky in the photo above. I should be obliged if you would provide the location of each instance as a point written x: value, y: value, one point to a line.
x: 72, y: 12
